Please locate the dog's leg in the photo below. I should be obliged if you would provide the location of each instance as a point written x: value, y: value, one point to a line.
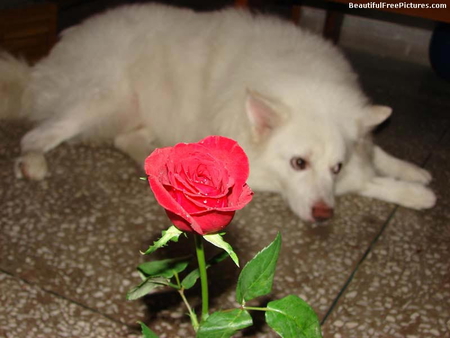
x: 31, y: 164
x: 408, y: 194
x: 135, y: 143
x: 388, y: 165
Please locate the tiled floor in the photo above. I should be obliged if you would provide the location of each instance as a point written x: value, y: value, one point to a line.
x: 69, y: 244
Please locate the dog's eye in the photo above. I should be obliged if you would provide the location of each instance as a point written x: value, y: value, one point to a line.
x: 337, y: 168
x: 298, y: 163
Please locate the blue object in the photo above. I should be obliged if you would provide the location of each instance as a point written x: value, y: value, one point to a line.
x: 440, y: 50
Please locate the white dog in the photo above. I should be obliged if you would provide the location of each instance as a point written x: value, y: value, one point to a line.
x: 150, y: 75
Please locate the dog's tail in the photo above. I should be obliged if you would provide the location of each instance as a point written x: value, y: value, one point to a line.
x: 14, y: 75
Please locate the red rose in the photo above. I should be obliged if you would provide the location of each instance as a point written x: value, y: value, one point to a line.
x: 201, y: 185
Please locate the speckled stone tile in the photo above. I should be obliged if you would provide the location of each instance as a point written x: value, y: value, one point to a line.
x: 79, y: 232
x: 315, y: 261
x: 28, y: 311
x: 403, y: 288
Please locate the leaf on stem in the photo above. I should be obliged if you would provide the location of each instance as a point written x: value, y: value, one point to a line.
x: 168, y: 235
x: 224, y: 324
x: 146, y: 332
x: 190, y: 280
x: 164, y: 268
x: 146, y: 286
x: 293, y: 317
x: 218, y: 241
x: 256, y: 278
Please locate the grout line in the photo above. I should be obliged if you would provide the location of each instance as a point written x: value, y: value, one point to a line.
x: 375, y: 240
x: 57, y: 295
x: 440, y: 140
x: 355, y: 270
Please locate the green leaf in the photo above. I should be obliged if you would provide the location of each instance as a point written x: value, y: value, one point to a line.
x: 224, y: 324
x: 168, y: 235
x: 190, y: 280
x: 218, y: 241
x: 146, y: 286
x: 164, y: 268
x: 146, y: 332
x: 292, y: 317
x: 256, y: 278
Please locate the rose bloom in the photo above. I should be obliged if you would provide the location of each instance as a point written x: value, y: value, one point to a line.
x: 200, y: 185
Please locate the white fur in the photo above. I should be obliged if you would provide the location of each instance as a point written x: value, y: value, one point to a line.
x: 150, y: 75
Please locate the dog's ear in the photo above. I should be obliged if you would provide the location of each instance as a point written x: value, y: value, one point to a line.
x: 376, y: 115
x: 262, y: 114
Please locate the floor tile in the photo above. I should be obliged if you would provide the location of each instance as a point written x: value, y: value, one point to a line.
x: 33, y: 312
x: 403, y: 288
x: 76, y: 233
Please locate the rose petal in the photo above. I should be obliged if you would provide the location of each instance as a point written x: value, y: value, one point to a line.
x: 179, y: 222
x: 168, y: 202
x: 214, y: 221
x: 209, y: 222
x: 206, y: 203
x: 199, y: 172
x: 188, y: 203
x: 230, y: 154
x: 155, y: 164
x: 239, y: 198
x: 200, y: 185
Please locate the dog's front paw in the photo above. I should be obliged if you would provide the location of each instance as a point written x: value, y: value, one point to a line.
x: 417, y: 174
x: 31, y: 166
x: 419, y: 197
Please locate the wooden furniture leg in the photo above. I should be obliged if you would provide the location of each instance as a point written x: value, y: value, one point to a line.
x: 333, y: 24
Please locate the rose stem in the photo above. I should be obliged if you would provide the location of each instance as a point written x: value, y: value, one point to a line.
x: 192, y: 314
x: 203, y: 277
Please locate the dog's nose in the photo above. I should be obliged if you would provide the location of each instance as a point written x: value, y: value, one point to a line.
x: 321, y: 211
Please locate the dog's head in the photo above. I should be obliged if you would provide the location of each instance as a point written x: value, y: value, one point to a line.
x: 302, y: 153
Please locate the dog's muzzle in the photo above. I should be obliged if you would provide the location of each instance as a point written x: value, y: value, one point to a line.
x: 322, y: 212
